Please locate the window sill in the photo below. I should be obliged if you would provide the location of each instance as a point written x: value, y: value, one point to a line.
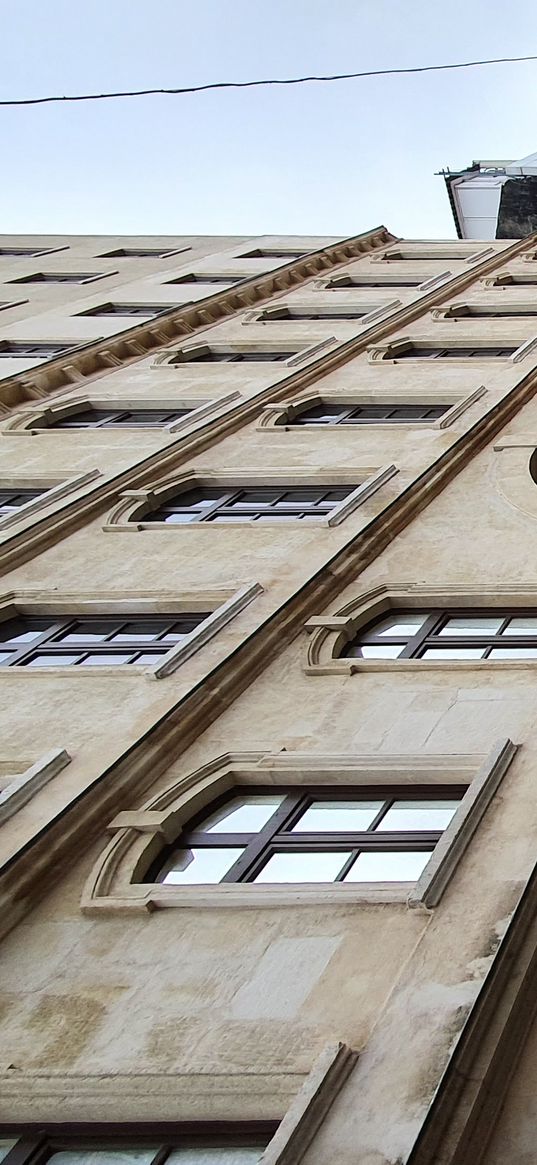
x: 349, y: 667
x: 144, y: 899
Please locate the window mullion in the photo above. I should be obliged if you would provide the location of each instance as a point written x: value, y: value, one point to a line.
x: 28, y: 648
x: 261, y: 842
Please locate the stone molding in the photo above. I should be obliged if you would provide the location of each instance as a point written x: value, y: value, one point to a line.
x: 330, y: 633
x: 17, y: 787
x: 55, y: 492
x: 278, y: 311
x: 140, y: 834
x: 310, y: 1106
x: 225, y: 605
x: 33, y: 421
x: 189, y: 353
x: 274, y: 417
x: 128, y: 513
x: 394, y: 349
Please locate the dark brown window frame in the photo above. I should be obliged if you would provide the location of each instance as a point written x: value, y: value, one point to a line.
x: 36, y: 1143
x: 210, y: 356
x: 28, y: 349
x: 115, y: 419
x: 428, y: 634
x: 143, y: 310
x: 276, y: 836
x: 48, y: 642
x: 358, y: 414
x: 424, y: 352
x: 225, y: 504
x: 201, y: 277
x: 388, y: 281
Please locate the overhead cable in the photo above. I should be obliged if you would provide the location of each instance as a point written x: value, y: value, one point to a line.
x: 261, y: 83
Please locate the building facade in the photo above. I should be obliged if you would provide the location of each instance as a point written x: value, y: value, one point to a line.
x: 268, y: 647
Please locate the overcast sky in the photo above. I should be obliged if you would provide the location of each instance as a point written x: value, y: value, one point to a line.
x: 316, y: 159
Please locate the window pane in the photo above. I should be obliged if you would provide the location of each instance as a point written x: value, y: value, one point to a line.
x: 454, y: 653
x: 90, y: 632
x: 52, y: 660
x: 138, y: 633
x: 217, y: 1156
x: 16, y: 631
x: 396, y: 625
x: 521, y: 627
x: 103, y: 1157
x: 241, y: 815
x: 5, y: 1146
x: 302, y: 867
x: 111, y: 659
x: 386, y: 866
x: 382, y: 651
x: 418, y: 815
x: 513, y: 653
x: 175, y: 518
x: 345, y: 816
x: 467, y: 625
x: 5, y: 655
x: 199, y: 866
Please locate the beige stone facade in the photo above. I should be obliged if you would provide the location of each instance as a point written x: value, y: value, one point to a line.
x: 368, y: 1021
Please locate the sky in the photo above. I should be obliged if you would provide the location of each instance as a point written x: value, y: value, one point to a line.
x: 333, y: 159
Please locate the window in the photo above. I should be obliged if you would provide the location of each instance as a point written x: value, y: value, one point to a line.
x: 243, y: 1147
x: 448, y: 634
x: 263, y: 504
x: 338, y: 414
x: 93, y: 640
x: 350, y: 314
x: 375, y: 834
x: 209, y: 355
x: 32, y: 351
x: 427, y: 256
x: 27, y: 252
x: 140, y: 253
x: 56, y: 277
x: 345, y: 282
x: 422, y: 352
x: 116, y: 419
x: 500, y: 313
x: 260, y: 253
x: 201, y: 277
x: 12, y: 499
x: 128, y: 309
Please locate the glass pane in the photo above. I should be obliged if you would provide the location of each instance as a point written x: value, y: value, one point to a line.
x: 138, y: 632
x: 513, y: 653
x: 199, y: 866
x: 244, y: 1155
x: 5, y: 1146
x: 382, y: 651
x: 396, y: 625
x: 454, y: 653
x: 241, y: 815
x: 101, y: 660
x: 52, y: 660
x: 383, y: 866
x: 521, y: 627
x: 306, y: 866
x: 418, y: 815
x: 103, y: 1157
x: 467, y: 625
x: 176, y: 518
x: 344, y: 816
x: 16, y: 631
x: 90, y: 632
x: 5, y: 655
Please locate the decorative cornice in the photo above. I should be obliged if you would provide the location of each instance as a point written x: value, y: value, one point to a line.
x: 97, y: 357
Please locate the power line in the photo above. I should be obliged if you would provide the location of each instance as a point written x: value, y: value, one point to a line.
x: 259, y: 84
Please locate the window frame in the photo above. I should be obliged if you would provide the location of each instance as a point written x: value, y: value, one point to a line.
x: 36, y: 1144
x: 49, y: 643
x: 277, y: 836
x: 138, y: 836
x: 428, y: 635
